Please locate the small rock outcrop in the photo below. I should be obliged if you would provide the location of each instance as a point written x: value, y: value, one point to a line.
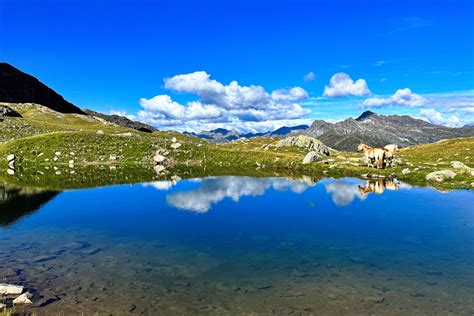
x: 306, y: 142
x: 440, y: 175
x: 312, y: 156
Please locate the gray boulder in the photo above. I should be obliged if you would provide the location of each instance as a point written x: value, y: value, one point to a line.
x: 312, y: 156
x: 440, y: 175
x: 305, y: 142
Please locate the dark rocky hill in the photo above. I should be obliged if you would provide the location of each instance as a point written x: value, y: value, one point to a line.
x: 123, y: 121
x: 380, y: 130
x: 19, y: 87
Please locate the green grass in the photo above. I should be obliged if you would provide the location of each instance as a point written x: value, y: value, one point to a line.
x: 46, y: 132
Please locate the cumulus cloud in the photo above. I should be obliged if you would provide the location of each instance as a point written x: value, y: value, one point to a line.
x: 402, y: 97
x: 310, y: 76
x: 435, y: 117
x: 341, y: 84
x: 219, y: 103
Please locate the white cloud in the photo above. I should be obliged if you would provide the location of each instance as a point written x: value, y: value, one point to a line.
x: 341, y: 85
x: 310, y: 76
x: 218, y: 103
x: 402, y: 97
x: 380, y: 63
x: 435, y: 117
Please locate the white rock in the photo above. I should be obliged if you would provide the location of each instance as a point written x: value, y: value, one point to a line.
x: 175, y: 145
x: 58, y: 153
x: 311, y: 157
x: 406, y: 171
x: 23, y: 299
x: 173, y: 139
x: 159, y: 168
x: 71, y: 162
x: 11, y: 157
x: 113, y: 157
x: 100, y: 132
x: 9, y: 289
x: 55, y: 158
x: 11, y: 164
x: 440, y: 175
x: 160, y: 159
x: 10, y: 171
x: 58, y: 172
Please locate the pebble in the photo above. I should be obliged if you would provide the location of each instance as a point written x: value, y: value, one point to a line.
x: 40, y: 259
x: 265, y: 287
x: 332, y: 296
x: 91, y: 251
x: 374, y: 299
x: 356, y: 259
x: 434, y: 272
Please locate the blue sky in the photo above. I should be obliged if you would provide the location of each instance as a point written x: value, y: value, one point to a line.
x: 116, y: 56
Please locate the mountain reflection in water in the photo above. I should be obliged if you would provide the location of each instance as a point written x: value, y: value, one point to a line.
x: 17, y: 203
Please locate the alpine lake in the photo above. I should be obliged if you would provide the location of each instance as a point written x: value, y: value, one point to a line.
x: 239, y: 245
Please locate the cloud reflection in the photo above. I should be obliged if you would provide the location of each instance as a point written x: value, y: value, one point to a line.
x: 216, y: 189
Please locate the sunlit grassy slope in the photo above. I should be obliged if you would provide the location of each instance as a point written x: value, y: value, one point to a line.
x: 37, y: 138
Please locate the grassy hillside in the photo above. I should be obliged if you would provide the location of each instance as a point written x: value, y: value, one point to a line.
x: 56, y: 151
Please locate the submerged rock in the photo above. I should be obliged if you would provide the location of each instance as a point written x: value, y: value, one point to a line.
x: 374, y: 299
x: 23, y: 299
x: 312, y: 156
x: 440, y: 175
x: 9, y: 289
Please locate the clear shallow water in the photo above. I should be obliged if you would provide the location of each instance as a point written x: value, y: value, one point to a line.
x: 242, y: 245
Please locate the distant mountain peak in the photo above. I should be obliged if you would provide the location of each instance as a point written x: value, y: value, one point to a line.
x: 366, y: 115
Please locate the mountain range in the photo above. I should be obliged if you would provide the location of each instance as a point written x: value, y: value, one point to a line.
x: 224, y: 135
x: 380, y: 130
x: 370, y: 128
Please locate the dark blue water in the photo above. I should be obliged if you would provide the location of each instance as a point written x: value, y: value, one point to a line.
x: 239, y: 245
